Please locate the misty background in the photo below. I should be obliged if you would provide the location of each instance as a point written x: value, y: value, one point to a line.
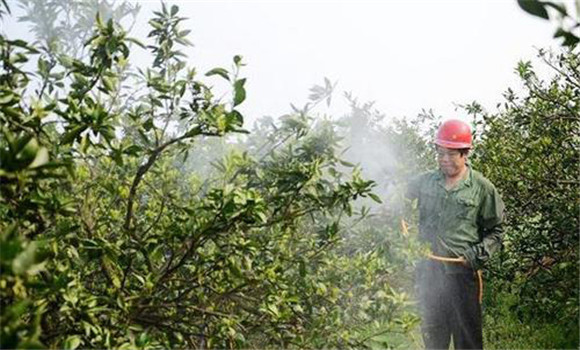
x: 404, y: 55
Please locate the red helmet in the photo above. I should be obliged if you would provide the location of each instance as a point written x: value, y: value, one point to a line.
x: 455, y: 134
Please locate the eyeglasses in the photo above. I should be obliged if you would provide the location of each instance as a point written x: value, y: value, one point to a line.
x: 449, y: 154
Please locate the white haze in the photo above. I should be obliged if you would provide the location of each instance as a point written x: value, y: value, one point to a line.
x: 406, y: 56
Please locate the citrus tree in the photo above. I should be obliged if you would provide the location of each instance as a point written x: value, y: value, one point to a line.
x: 109, y: 241
x: 529, y: 149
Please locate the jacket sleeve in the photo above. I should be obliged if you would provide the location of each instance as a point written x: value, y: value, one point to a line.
x: 490, y: 226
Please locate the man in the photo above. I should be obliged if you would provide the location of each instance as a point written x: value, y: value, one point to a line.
x: 460, y: 216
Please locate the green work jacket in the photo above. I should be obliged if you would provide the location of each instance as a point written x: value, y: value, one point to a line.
x: 463, y: 221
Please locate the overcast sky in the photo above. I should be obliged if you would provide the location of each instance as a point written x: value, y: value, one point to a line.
x: 405, y: 55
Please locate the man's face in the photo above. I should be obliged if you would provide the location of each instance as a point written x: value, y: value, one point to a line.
x: 451, y: 162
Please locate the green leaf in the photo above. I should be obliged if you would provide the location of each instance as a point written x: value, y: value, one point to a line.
x: 155, y: 24
x: 558, y: 7
x: 7, y: 98
x: 346, y: 164
x: 16, y: 310
x: 148, y: 125
x: 219, y: 71
x: 534, y: 7
x: 237, y: 117
x: 107, y: 132
x: 569, y: 38
x: 174, y: 10
x: 108, y: 83
x: 133, y: 150
x: 32, y: 343
x: 273, y: 310
x: 40, y: 159
x: 112, y: 270
x: 85, y: 143
x: 184, y: 41
x: 12, y: 112
x: 9, y: 247
x: 72, y: 342
x: 375, y: 198
x: 142, y: 339
x: 136, y: 42
x: 19, y: 43
x: 42, y: 66
x: 28, y: 152
x: 237, y: 60
x: 183, y: 33
x: 70, y: 136
x: 26, y: 259
x: 239, y: 91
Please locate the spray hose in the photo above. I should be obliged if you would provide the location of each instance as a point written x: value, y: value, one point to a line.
x: 405, y: 231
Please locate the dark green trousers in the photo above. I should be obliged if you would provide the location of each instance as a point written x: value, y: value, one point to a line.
x: 449, y: 307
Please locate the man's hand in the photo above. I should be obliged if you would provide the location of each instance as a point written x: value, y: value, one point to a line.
x: 464, y: 262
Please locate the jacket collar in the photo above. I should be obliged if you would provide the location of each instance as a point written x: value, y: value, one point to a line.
x: 466, y: 181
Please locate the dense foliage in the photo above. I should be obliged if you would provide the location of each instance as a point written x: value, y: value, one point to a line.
x: 108, y: 241
x: 529, y: 149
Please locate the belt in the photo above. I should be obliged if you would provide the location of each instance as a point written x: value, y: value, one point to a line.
x: 405, y: 231
x: 462, y: 261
